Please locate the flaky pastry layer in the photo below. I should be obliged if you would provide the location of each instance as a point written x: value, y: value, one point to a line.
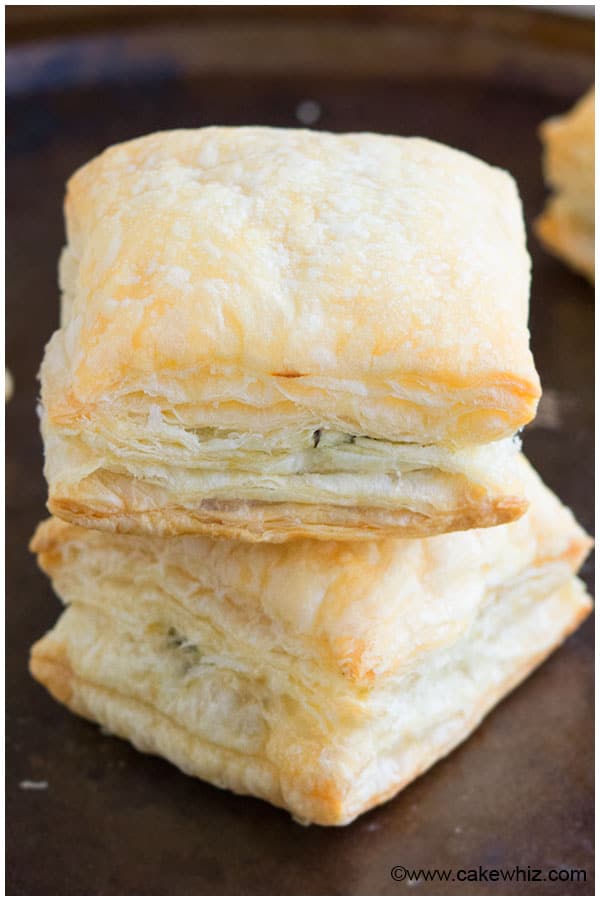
x: 329, y: 486
x: 344, y: 605
x: 318, y: 675
x: 324, y: 759
x: 233, y: 296
x: 260, y: 265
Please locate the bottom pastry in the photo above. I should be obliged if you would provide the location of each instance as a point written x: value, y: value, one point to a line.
x: 320, y: 676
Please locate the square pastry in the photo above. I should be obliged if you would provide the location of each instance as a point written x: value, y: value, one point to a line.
x: 270, y: 334
x: 320, y: 676
x: 567, y: 225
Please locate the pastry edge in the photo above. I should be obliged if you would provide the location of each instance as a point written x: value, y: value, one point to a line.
x: 279, y: 522
x: 568, y: 239
x: 326, y: 807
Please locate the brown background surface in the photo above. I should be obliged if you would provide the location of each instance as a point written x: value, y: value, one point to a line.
x: 112, y: 821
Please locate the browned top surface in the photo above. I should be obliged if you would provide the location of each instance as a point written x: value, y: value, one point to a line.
x: 520, y: 791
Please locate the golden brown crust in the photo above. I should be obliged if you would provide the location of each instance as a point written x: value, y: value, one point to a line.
x: 231, y: 296
x: 191, y: 249
x: 253, y: 521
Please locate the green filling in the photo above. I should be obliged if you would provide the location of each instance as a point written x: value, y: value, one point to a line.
x: 189, y: 654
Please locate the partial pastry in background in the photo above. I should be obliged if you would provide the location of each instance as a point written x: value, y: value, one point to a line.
x: 271, y: 334
x: 567, y: 224
x: 320, y: 676
x: 9, y: 385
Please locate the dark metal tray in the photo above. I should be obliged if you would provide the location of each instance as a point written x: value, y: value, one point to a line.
x: 519, y: 792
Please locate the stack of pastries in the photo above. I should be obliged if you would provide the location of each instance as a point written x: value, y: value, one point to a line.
x: 300, y: 550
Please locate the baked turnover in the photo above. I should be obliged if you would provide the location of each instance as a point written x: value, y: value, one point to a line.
x: 321, y: 676
x: 567, y: 226
x: 270, y: 334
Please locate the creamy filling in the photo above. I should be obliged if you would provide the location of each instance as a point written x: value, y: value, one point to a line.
x: 287, y: 452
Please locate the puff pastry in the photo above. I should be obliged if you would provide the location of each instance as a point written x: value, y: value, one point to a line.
x: 320, y: 676
x: 274, y: 333
x: 567, y: 226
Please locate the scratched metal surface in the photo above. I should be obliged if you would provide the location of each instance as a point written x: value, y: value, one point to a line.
x: 519, y: 792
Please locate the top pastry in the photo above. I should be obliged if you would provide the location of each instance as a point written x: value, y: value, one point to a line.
x: 272, y: 333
